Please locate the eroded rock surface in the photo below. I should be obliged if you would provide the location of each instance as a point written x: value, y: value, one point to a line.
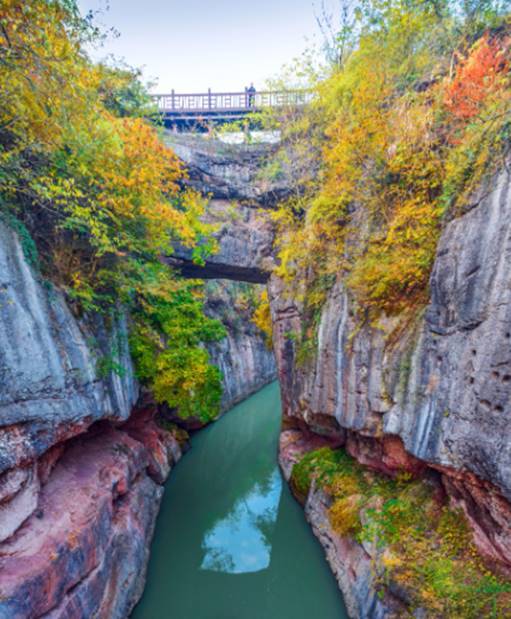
x: 246, y: 362
x: 50, y: 387
x: 244, y: 239
x: 442, y: 380
x: 229, y: 171
x: 232, y: 176
x: 239, y: 198
x: 83, y: 552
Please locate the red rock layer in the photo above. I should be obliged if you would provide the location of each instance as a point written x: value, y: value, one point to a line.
x: 83, y: 551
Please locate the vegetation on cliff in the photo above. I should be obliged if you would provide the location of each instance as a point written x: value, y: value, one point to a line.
x: 87, y: 178
x: 407, y: 124
x: 418, y: 543
x: 262, y: 317
x: 406, y: 132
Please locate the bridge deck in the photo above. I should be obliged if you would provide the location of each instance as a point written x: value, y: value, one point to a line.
x: 220, y: 106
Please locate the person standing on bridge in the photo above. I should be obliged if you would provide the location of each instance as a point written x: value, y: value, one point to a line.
x: 251, y: 92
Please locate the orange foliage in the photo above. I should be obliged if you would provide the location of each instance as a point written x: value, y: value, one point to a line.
x: 399, y: 145
x: 478, y: 75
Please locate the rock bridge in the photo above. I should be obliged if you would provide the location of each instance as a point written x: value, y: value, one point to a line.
x: 231, y: 175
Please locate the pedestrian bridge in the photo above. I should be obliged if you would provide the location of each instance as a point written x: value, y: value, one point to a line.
x: 178, y: 110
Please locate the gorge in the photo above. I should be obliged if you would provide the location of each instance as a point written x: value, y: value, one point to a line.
x: 82, y: 457
x: 334, y: 305
x: 396, y: 395
x: 60, y: 546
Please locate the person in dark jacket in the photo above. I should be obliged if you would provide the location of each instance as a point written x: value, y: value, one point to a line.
x: 251, y: 92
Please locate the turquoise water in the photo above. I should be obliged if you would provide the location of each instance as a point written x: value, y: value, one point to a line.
x: 230, y: 541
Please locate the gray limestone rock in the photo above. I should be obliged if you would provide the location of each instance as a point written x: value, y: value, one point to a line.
x: 50, y: 382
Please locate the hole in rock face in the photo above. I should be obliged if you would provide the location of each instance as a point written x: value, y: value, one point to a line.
x: 506, y: 378
x: 499, y: 408
x: 471, y: 380
x: 495, y: 374
x: 508, y: 335
x: 474, y: 352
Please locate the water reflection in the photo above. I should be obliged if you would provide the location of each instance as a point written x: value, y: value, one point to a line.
x: 241, y: 541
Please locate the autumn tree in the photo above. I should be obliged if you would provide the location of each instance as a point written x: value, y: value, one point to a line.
x: 101, y: 195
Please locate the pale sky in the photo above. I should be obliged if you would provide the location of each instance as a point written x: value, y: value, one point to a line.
x: 191, y: 45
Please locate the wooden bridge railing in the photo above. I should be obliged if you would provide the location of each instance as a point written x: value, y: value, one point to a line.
x: 212, y: 102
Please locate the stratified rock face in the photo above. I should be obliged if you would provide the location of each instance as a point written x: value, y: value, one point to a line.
x: 456, y: 408
x: 79, y: 494
x: 246, y: 362
x: 49, y: 383
x: 84, y: 551
x: 442, y: 382
x: 439, y: 383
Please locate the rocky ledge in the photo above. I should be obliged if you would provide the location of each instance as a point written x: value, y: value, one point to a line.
x: 83, y: 551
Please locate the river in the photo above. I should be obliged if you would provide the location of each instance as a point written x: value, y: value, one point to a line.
x: 230, y: 541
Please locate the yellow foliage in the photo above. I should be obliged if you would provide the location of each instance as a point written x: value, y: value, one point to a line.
x: 404, y: 134
x: 390, y: 560
x: 262, y: 317
x: 102, y: 196
x: 425, y: 547
x: 103, y: 182
x: 344, y: 515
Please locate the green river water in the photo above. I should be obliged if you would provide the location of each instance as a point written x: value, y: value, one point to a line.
x: 230, y: 541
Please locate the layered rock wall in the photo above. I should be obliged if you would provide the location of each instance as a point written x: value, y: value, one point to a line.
x: 50, y: 388
x: 84, y: 550
x: 427, y: 390
x: 439, y: 379
x: 81, y: 467
x: 244, y: 358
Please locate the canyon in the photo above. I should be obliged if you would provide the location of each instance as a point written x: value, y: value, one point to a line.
x: 84, y: 455
x: 423, y: 393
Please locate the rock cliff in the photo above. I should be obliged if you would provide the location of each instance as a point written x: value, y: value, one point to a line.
x: 246, y: 362
x: 80, y: 473
x: 426, y: 391
x: 82, y: 460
